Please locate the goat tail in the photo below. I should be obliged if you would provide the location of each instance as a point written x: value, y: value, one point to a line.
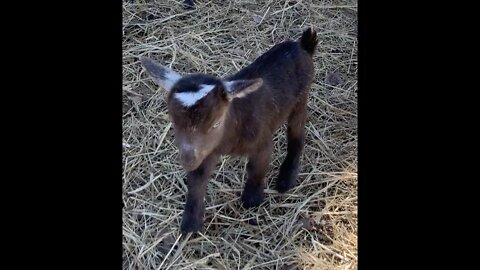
x: 309, y: 40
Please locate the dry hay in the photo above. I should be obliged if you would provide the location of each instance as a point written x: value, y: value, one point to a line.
x: 314, y: 226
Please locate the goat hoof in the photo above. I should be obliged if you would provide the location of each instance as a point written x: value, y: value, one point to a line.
x: 287, y: 178
x: 252, y: 198
x: 284, y: 184
x: 191, y: 224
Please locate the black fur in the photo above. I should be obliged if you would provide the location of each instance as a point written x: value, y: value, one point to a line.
x: 309, y: 40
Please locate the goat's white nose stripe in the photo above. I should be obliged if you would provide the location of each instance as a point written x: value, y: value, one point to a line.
x: 190, y: 98
x: 187, y: 147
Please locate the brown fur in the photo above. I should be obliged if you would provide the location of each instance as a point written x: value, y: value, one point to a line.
x: 241, y: 120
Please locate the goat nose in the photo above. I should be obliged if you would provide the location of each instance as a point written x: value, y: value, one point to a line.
x: 188, y: 154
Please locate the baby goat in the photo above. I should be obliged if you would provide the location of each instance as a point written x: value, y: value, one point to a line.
x: 238, y: 115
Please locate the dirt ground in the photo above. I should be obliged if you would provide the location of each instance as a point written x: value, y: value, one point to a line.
x: 314, y: 226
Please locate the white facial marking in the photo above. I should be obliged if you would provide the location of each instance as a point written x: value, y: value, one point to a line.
x: 186, y: 147
x: 228, y: 86
x: 190, y: 98
x: 171, y: 77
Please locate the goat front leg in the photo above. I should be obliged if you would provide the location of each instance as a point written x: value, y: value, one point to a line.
x: 197, y: 180
x: 257, y: 168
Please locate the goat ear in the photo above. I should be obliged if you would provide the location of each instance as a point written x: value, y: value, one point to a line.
x: 241, y: 88
x: 162, y: 75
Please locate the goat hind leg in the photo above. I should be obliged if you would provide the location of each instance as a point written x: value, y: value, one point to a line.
x: 288, y: 174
